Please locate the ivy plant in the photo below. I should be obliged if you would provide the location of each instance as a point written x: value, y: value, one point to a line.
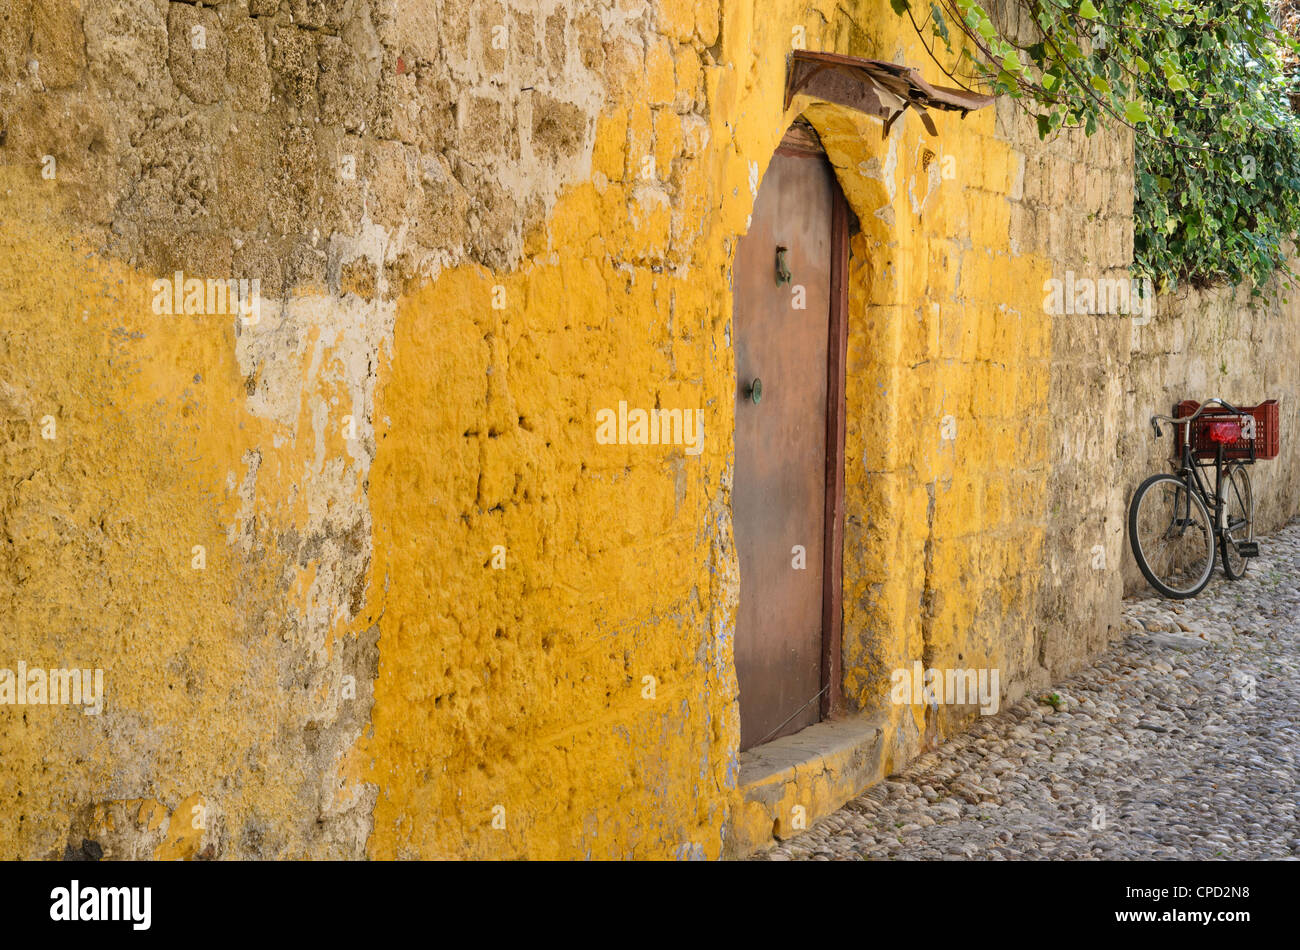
x: 1204, y: 84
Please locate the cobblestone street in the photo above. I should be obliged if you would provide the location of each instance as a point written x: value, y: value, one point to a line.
x: 1182, y: 741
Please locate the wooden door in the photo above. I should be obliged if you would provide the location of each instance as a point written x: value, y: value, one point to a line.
x: 789, y: 432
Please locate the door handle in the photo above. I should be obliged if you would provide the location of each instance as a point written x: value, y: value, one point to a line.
x: 754, y: 391
x: 783, y: 275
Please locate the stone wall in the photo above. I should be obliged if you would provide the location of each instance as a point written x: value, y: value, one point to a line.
x: 1223, y: 342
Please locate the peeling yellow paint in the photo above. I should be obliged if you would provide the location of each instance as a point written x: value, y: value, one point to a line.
x: 184, y: 831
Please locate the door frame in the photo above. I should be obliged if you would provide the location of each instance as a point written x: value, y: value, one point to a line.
x: 800, y: 139
x: 836, y: 369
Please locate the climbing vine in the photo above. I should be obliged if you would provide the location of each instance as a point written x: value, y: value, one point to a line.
x: 1204, y: 84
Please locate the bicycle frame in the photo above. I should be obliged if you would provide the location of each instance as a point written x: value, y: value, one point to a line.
x: 1188, y: 469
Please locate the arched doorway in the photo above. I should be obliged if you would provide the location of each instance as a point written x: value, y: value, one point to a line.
x: 790, y: 306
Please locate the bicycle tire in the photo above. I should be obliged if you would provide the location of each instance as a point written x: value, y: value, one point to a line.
x: 1206, y: 526
x: 1237, y: 473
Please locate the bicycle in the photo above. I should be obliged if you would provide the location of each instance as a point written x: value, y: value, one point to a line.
x: 1176, y: 527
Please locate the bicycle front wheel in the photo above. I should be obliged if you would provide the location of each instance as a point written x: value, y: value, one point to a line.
x: 1172, y: 536
x: 1241, y: 519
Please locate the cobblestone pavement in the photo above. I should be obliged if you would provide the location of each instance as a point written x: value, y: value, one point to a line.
x: 1183, y: 741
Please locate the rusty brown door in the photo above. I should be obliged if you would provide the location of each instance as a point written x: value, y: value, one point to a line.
x: 787, y: 355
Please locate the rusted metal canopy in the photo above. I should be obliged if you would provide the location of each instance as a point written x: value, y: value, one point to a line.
x: 874, y: 86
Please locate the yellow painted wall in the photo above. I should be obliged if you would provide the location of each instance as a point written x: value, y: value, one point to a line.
x: 522, y: 688
x: 148, y: 459
x: 511, y: 713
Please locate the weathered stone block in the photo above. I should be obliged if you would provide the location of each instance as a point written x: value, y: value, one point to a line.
x: 1122, y: 239
x: 15, y: 31
x: 640, y: 141
x: 610, y: 146
x: 1021, y: 231
x: 304, y: 268
x: 708, y: 21
x: 494, y: 233
x: 667, y: 140
x: 555, y: 44
x: 126, y: 47
x: 695, y: 135
x: 341, y: 171
x: 388, y: 183
x: 246, y: 154
x: 398, y: 105
x: 293, y: 61
x: 589, y: 39
x: 442, y: 207
x: 289, y: 203
x: 199, y: 253
x: 313, y: 13
x: 58, y: 44
x: 689, y: 77
x: 485, y: 127
x: 495, y: 36
x: 437, y: 114
x: 525, y: 61
x: 360, y: 277
x: 454, y: 36
x: 559, y: 129
x: 347, y: 84
x: 248, y: 76
x: 661, y: 83
x: 624, y: 71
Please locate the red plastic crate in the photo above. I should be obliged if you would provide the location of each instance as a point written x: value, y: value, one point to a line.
x: 1266, y: 443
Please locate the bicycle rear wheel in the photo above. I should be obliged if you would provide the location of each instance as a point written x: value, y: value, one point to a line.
x: 1241, y: 519
x: 1172, y: 536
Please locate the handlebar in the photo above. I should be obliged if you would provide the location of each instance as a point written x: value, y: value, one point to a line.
x: 1186, y: 420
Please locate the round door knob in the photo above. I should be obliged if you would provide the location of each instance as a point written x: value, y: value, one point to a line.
x: 754, y: 391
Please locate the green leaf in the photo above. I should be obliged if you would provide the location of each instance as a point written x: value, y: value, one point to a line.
x: 1205, y: 83
x: 940, y: 25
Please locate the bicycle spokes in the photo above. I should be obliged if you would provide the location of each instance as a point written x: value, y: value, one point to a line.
x: 1173, y: 536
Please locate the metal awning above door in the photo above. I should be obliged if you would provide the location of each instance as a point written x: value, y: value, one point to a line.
x: 874, y: 86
